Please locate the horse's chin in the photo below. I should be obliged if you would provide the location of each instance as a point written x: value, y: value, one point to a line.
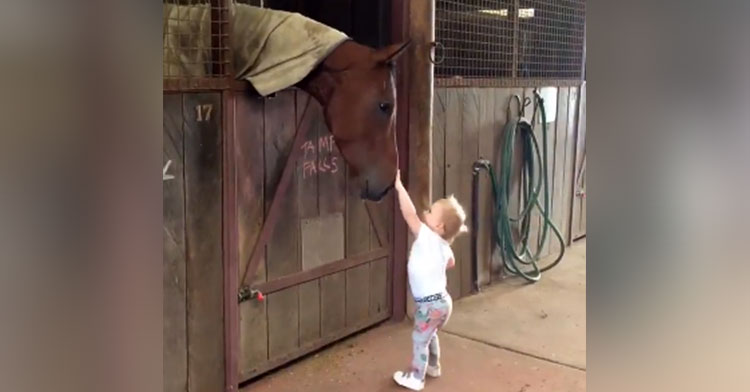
x: 374, y: 196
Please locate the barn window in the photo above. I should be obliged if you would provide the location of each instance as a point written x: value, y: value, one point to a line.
x: 509, y: 42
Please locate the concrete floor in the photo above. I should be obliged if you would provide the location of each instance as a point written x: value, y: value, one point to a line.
x: 546, y: 319
x: 511, y: 337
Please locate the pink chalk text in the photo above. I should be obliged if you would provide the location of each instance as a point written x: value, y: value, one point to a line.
x: 319, y: 157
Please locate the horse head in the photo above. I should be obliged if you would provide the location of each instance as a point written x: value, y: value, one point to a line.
x: 356, y: 86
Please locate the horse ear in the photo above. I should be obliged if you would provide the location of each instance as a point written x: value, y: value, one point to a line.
x: 391, y: 53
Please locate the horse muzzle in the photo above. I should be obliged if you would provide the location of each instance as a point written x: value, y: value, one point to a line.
x: 374, y: 194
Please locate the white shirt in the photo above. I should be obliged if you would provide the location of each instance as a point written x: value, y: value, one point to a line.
x: 427, y: 262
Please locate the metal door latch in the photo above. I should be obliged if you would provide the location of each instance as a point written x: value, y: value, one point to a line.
x: 247, y: 293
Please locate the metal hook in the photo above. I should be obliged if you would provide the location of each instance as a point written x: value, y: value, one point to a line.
x: 519, y: 105
x: 433, y: 54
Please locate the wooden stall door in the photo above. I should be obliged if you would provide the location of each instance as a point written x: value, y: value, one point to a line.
x: 326, y: 266
x: 174, y: 312
x: 578, y: 218
x: 193, y: 271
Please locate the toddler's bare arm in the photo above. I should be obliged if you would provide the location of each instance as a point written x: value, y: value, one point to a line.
x: 407, y: 206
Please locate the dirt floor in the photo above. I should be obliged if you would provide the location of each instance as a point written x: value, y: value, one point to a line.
x: 511, y: 337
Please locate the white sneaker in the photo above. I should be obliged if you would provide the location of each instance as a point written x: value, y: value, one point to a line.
x: 433, y: 371
x: 407, y: 380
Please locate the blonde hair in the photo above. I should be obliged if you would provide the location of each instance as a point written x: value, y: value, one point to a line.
x: 453, y: 218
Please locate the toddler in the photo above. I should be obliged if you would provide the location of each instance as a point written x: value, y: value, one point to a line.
x: 430, y: 256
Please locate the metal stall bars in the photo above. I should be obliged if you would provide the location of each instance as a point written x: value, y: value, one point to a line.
x: 476, y: 37
x: 509, y: 42
x: 551, y: 39
x: 195, y: 45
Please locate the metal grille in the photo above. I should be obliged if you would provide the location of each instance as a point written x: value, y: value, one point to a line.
x: 551, y: 39
x: 509, y: 42
x: 476, y: 38
x: 195, y: 44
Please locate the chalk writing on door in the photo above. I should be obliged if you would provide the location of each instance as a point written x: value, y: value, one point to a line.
x: 164, y: 175
x: 319, y: 157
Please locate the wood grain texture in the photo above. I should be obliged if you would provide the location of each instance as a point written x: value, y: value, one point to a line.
x: 550, y: 168
x: 310, y: 347
x: 438, y: 143
x: 253, y: 335
x: 249, y: 123
x: 469, y: 154
x: 283, y: 247
x: 420, y: 87
x: 487, y: 128
x: 174, y: 283
x: 578, y: 221
x: 309, y: 312
x: 322, y: 240
x: 561, y: 135
x: 318, y: 272
x: 283, y: 322
x: 205, y: 329
x: 357, y: 221
x: 332, y: 177
x: 378, y: 287
x: 332, y: 303
x: 307, y: 175
x: 453, y: 140
x: 569, y: 167
x: 282, y: 250
x: 357, y: 294
x: 249, y: 151
x: 380, y: 218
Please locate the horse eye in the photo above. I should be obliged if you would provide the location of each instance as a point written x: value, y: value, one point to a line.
x: 385, y: 107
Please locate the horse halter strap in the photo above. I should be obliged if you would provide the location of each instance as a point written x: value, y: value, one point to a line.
x: 273, y: 212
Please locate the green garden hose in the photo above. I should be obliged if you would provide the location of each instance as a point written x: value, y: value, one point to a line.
x: 516, y: 252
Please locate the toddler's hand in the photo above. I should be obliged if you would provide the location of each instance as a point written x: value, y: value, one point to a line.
x: 398, y: 184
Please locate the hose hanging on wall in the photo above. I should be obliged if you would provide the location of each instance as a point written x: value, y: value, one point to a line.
x: 518, y: 259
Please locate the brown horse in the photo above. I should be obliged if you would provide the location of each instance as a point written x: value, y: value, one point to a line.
x: 355, y: 85
x: 277, y: 49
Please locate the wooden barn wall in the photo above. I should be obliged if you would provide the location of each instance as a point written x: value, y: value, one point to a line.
x: 468, y: 124
x: 323, y: 224
x: 193, y: 271
x: 578, y: 221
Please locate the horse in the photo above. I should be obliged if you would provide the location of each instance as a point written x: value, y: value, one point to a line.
x: 356, y: 87
x: 354, y: 83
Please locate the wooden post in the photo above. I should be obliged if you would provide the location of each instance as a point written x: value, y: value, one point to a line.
x: 422, y: 29
x: 397, y: 262
x: 231, y: 246
x: 420, y: 69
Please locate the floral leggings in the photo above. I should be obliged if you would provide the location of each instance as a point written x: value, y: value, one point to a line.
x: 428, y: 318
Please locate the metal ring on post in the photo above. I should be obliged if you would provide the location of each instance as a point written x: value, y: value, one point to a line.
x: 433, y: 55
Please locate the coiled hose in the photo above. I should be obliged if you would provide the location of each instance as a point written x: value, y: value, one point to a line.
x: 518, y: 259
